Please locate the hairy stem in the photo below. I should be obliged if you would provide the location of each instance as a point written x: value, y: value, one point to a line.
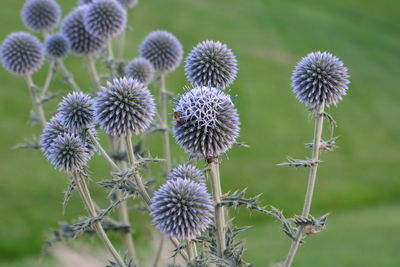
x: 164, y: 123
x: 311, y: 183
x: 102, y: 151
x: 36, y: 103
x: 68, y: 77
x: 50, y: 74
x: 93, y: 72
x: 191, y: 249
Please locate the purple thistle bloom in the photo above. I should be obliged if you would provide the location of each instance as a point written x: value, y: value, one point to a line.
x: 22, y: 53
x: 81, y: 42
x: 128, y: 3
x: 211, y: 64
x: 140, y: 69
x: 41, y: 15
x: 206, y: 122
x: 105, y: 18
x: 123, y: 107
x: 76, y: 111
x: 182, y: 208
x: 320, y: 77
x: 163, y: 50
x: 186, y: 171
x: 56, y: 46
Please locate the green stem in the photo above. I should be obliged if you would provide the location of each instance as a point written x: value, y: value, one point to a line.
x: 50, y: 74
x: 164, y: 123
x: 36, y: 103
x: 68, y: 77
x: 93, y: 72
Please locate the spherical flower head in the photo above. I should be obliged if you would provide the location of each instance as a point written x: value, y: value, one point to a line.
x: 76, y: 110
x: 124, y: 107
x: 318, y: 78
x: 140, y: 69
x: 105, y: 18
x: 186, y: 171
x: 128, y: 3
x: 56, y: 46
x: 22, y: 53
x: 182, y: 208
x: 211, y: 64
x: 163, y: 50
x: 81, y: 42
x: 206, y: 122
x: 41, y: 15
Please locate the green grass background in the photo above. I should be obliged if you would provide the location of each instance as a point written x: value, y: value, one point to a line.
x: 359, y: 183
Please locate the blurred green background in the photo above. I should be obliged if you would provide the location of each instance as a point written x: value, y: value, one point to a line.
x: 359, y: 183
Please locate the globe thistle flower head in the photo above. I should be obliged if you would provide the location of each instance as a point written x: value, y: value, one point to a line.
x: 186, y: 171
x: 41, y: 15
x: 105, y: 18
x: 182, y: 208
x: 21, y: 53
x: 320, y: 77
x: 140, y: 69
x: 125, y: 106
x: 56, y: 46
x: 76, y: 110
x: 206, y: 122
x: 80, y: 41
x: 128, y: 3
x: 211, y: 64
x: 85, y: 2
x: 163, y: 50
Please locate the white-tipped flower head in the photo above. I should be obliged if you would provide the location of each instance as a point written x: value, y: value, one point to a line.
x: 128, y: 3
x: 186, y: 171
x: 206, y: 122
x: 182, y: 209
x: 211, y: 64
x: 22, y: 53
x: 125, y: 106
x: 41, y: 15
x: 320, y: 77
x: 81, y: 42
x: 163, y: 50
x: 140, y: 69
x: 76, y: 110
x: 56, y: 46
x: 105, y: 18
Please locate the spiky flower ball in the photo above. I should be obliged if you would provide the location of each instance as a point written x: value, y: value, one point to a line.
x: 140, y: 69
x: 22, y: 53
x: 128, y: 3
x: 182, y: 208
x: 211, y: 64
x: 163, y: 50
x: 125, y: 106
x: 186, y: 171
x: 320, y: 77
x: 56, y: 46
x: 41, y: 15
x: 81, y: 42
x: 76, y: 110
x: 206, y: 122
x: 105, y: 18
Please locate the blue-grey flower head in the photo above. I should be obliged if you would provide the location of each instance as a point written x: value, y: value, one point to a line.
x: 163, y: 50
x: 125, y: 106
x: 81, y: 42
x: 41, y: 15
x: 76, y: 110
x: 22, y: 53
x: 206, y: 122
x: 85, y: 2
x: 318, y: 78
x: 186, y: 171
x: 182, y: 208
x: 105, y: 18
x: 140, y: 69
x: 56, y: 46
x: 211, y: 64
x: 128, y: 3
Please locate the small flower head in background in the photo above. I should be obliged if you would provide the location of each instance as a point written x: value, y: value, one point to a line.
x: 41, y: 15
x: 186, y: 171
x: 128, y: 3
x: 320, y: 77
x: 206, y: 122
x: 56, y: 46
x: 76, y: 111
x: 105, y: 18
x: 22, y: 53
x: 163, y: 50
x: 125, y: 106
x: 81, y: 42
x: 211, y: 64
x: 182, y: 208
x: 140, y: 69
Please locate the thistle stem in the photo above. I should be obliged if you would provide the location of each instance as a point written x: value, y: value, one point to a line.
x: 121, y: 47
x: 127, y: 236
x: 191, y: 249
x: 36, y: 103
x: 164, y: 123
x: 50, y: 74
x: 93, y: 72
x: 68, y: 77
x: 102, y: 151
x: 311, y: 183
